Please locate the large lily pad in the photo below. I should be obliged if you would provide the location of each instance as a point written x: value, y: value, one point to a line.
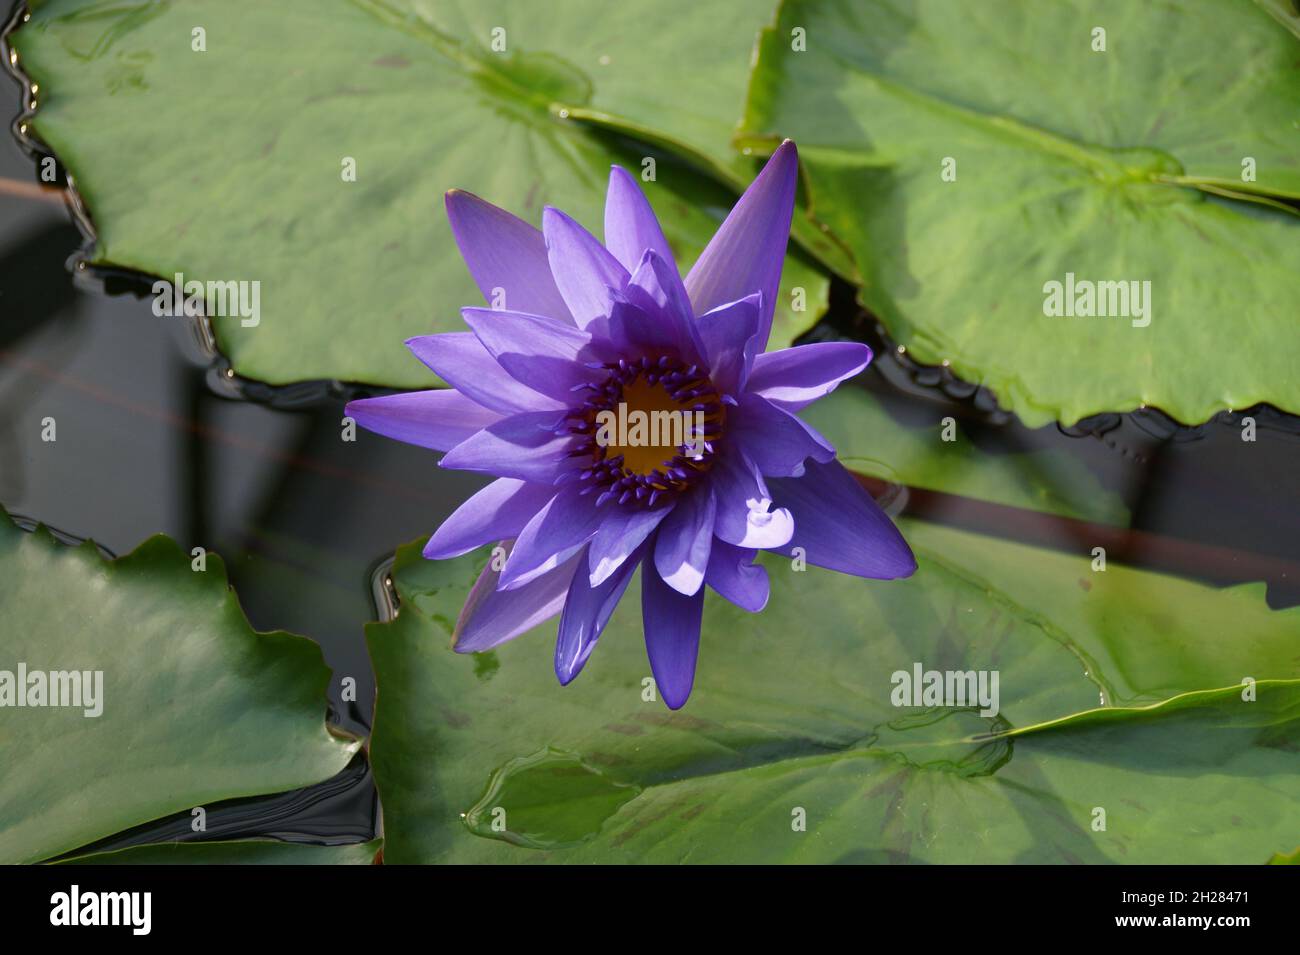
x: 196, y: 707
x: 1119, y: 166
x: 228, y: 164
x: 636, y: 64
x: 488, y: 759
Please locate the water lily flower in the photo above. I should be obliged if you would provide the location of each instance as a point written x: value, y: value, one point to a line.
x: 631, y: 419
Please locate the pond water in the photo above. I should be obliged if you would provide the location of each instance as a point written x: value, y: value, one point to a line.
x: 155, y: 436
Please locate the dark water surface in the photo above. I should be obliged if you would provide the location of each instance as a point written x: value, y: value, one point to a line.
x: 154, y: 437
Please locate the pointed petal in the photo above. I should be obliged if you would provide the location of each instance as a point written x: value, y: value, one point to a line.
x: 491, y: 617
x: 684, y: 541
x: 542, y: 353
x: 621, y: 532
x: 733, y: 574
x: 586, y: 611
x: 583, y: 269
x: 794, y: 378
x: 840, y: 527
x: 776, y: 441
x: 657, y: 278
x: 630, y: 328
x: 656, y: 288
x: 504, y: 252
x: 672, y: 634
x: 744, y: 513
x: 748, y: 250
x: 460, y: 359
x: 631, y: 226
x: 561, y: 556
x: 438, y: 419
x: 522, y: 446
x: 560, y: 528
x: 498, y: 512
x: 729, y: 334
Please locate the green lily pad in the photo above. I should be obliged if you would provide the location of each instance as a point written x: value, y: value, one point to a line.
x: 871, y: 442
x: 249, y: 185
x: 709, y: 46
x: 240, y: 852
x: 1131, y: 705
x: 194, y: 706
x: 970, y: 158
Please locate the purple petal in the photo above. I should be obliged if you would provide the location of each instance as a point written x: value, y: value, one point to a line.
x: 498, y: 512
x: 561, y: 556
x: 657, y: 278
x: 748, y: 250
x: 729, y: 334
x: 583, y: 269
x: 491, y: 617
x: 542, y: 353
x: 504, y: 252
x: 744, y: 515
x: 776, y: 441
x: 656, y: 288
x: 672, y: 634
x: 733, y: 574
x: 586, y: 611
x: 560, y: 528
x: 631, y: 226
x: 522, y: 446
x: 621, y: 532
x: 840, y: 527
x: 630, y: 328
x: 460, y: 359
x: 684, y: 541
x: 794, y: 378
x: 438, y: 419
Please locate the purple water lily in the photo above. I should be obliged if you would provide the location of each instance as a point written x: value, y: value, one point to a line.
x: 632, y: 419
